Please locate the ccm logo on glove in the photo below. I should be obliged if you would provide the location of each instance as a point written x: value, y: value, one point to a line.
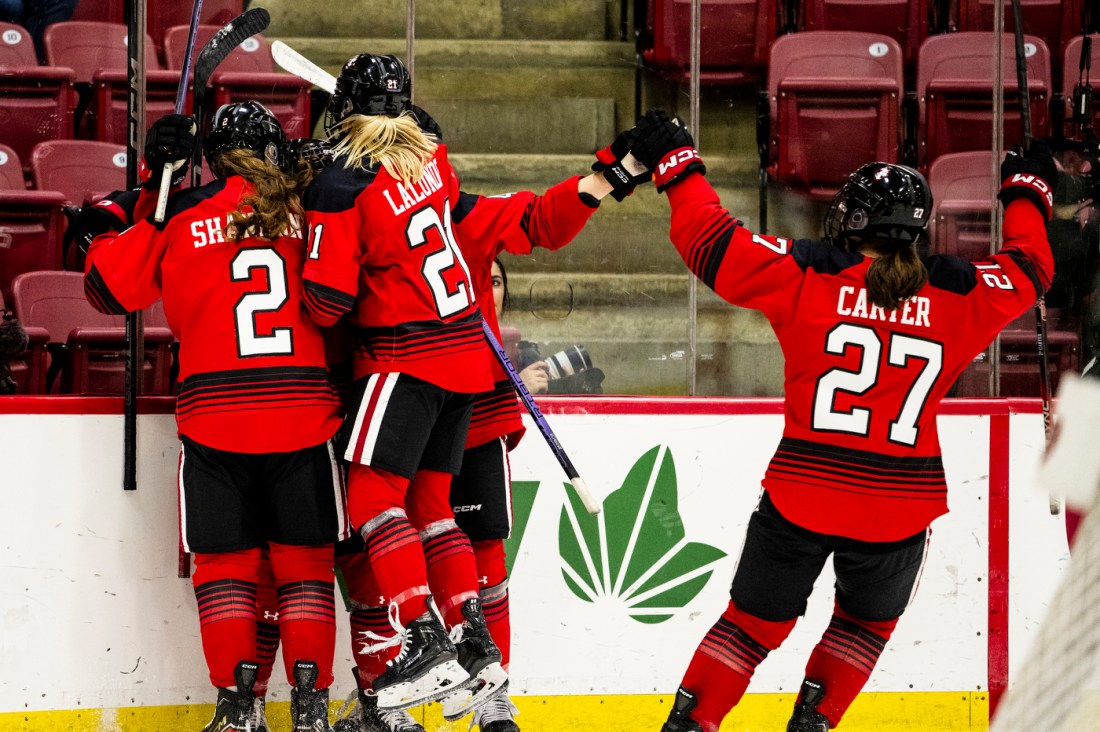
x: 677, y: 158
x: 1035, y: 182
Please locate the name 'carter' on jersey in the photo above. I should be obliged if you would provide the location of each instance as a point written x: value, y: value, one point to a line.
x: 860, y: 454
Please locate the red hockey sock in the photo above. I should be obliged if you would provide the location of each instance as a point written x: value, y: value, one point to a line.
x: 393, y: 546
x: 844, y: 658
x: 369, y: 615
x: 307, y: 607
x: 267, y: 627
x: 725, y: 660
x: 493, y: 580
x: 452, y: 571
x: 225, y: 589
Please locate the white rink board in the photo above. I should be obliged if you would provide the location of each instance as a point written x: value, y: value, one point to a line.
x: 93, y: 614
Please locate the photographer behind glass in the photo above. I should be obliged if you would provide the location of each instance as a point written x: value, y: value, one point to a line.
x: 1074, y: 234
x: 569, y: 371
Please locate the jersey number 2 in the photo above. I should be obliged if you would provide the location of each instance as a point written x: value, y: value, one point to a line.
x: 249, y: 343
x: 857, y: 421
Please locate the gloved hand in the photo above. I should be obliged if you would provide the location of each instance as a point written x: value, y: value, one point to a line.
x: 621, y: 169
x: 114, y: 213
x: 1029, y: 175
x: 665, y: 146
x: 171, y: 140
x: 427, y: 123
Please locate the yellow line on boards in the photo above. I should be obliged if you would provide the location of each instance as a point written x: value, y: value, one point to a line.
x: 872, y: 712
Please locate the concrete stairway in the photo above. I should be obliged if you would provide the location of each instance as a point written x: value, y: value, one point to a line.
x: 525, y: 93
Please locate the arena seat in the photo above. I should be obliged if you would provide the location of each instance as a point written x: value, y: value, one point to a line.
x: 11, y: 170
x: 955, y: 92
x: 1054, y: 21
x: 83, y: 170
x: 28, y: 370
x: 962, y: 203
x: 31, y: 223
x: 248, y: 73
x: 733, y: 39
x: 36, y: 102
x: 97, y: 53
x: 87, y: 349
x: 163, y: 15
x: 835, y: 102
x: 905, y: 22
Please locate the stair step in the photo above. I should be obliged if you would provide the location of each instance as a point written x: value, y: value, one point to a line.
x: 550, y: 19
x: 578, y: 125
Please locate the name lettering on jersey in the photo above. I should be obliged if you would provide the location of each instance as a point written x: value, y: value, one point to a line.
x: 856, y: 304
x: 206, y: 232
x: 413, y: 193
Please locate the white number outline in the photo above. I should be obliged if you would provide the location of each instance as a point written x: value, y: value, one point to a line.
x: 280, y: 342
x: 437, y: 262
x: 903, y: 428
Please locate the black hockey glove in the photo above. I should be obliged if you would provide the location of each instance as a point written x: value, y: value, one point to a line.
x: 622, y: 172
x: 1029, y: 175
x: 171, y: 140
x: 666, y: 147
x: 427, y: 123
x: 114, y: 213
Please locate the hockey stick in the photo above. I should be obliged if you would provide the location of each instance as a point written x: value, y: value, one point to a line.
x: 540, y: 421
x: 297, y: 64
x: 181, y: 95
x: 1040, y: 305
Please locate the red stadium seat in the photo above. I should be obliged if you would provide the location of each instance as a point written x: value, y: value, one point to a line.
x: 955, y: 92
x: 97, y: 52
x: 905, y: 22
x: 11, y: 170
x: 1055, y: 21
x: 87, y: 348
x: 83, y: 170
x: 36, y: 102
x: 962, y: 203
x: 30, y: 233
x: 835, y: 99
x: 733, y: 40
x: 165, y: 14
x: 249, y: 73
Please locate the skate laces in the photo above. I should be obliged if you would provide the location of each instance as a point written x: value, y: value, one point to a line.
x: 381, y: 642
x: 397, y: 719
x: 497, y: 709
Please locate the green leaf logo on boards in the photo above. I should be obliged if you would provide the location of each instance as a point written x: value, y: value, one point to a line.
x: 635, y: 551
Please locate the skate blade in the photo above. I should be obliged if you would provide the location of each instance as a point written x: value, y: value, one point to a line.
x: 438, y: 682
x: 489, y: 682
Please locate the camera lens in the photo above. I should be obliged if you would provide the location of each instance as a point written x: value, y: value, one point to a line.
x: 572, y: 360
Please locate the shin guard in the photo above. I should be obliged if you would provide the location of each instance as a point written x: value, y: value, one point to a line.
x: 225, y: 589
x: 307, y: 607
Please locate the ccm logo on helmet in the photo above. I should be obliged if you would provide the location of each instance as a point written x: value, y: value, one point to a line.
x: 678, y: 158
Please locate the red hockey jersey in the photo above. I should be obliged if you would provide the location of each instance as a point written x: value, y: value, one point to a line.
x: 252, y: 363
x: 515, y: 223
x: 384, y: 252
x: 860, y: 454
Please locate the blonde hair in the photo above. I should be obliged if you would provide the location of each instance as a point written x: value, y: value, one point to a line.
x: 274, y: 209
x: 895, y: 275
x: 395, y: 143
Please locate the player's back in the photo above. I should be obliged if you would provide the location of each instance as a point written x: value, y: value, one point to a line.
x: 252, y: 366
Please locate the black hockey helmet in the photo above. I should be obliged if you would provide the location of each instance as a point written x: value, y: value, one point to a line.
x: 305, y: 151
x: 879, y: 201
x: 244, y: 126
x: 370, y: 84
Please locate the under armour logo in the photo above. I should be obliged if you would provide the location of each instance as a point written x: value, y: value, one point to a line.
x: 483, y: 579
x: 273, y: 617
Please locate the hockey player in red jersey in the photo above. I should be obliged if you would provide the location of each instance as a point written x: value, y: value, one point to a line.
x: 255, y: 410
x: 873, y: 338
x: 382, y: 251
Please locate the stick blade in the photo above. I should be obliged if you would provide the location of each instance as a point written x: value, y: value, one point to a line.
x: 228, y: 37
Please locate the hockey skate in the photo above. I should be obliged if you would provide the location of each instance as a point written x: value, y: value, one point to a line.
x: 678, y: 719
x: 806, y: 718
x: 480, y: 656
x: 233, y: 711
x: 425, y: 669
x: 308, y: 706
x: 498, y: 714
x: 258, y: 718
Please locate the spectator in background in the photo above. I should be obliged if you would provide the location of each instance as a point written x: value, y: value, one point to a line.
x: 35, y: 15
x: 13, y: 341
